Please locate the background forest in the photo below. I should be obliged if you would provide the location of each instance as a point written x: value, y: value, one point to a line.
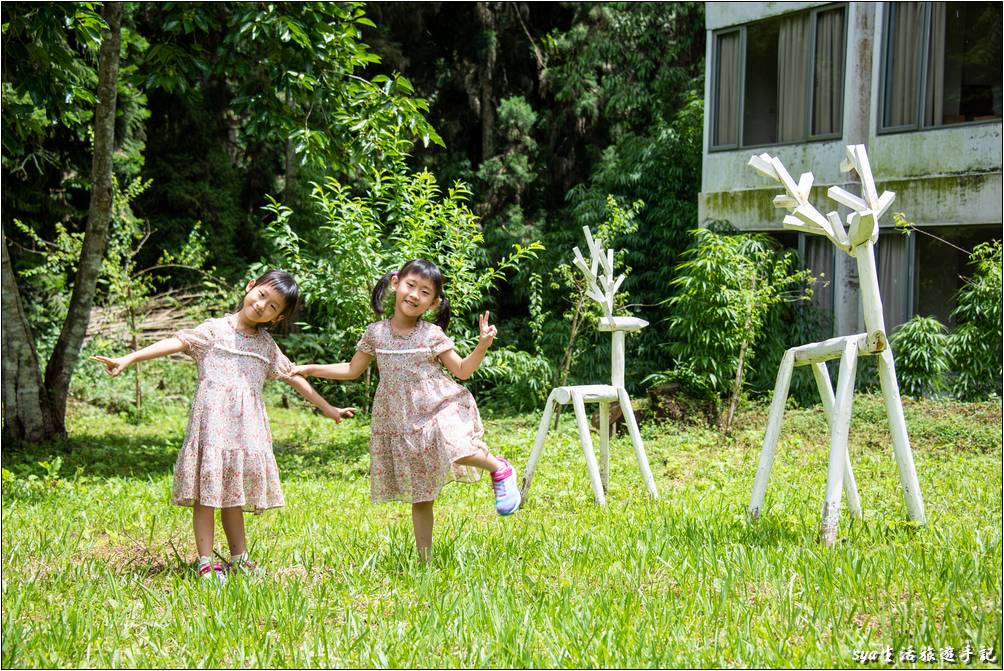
x: 157, y: 156
x: 336, y: 141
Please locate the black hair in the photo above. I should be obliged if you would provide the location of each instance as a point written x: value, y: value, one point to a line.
x: 288, y: 290
x: 425, y: 269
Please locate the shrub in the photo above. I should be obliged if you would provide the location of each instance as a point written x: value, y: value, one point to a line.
x: 723, y: 293
x: 975, y: 345
x: 921, y: 349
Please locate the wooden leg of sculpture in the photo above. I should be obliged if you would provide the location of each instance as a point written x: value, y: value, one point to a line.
x: 587, y: 447
x: 538, y: 445
x: 605, y: 444
x: 769, y: 449
x: 826, y: 394
x: 639, y: 447
x: 900, y: 439
x: 839, y: 432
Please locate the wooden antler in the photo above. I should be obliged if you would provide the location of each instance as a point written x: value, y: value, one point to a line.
x: 601, y: 285
x: 804, y: 216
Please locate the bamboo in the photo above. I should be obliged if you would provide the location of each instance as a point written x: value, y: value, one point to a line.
x: 829, y: 349
x: 769, y: 449
x: 868, y: 277
x: 605, y: 444
x: 639, y: 446
x: 900, y: 439
x: 826, y: 394
x: 538, y: 446
x: 587, y: 448
x: 617, y: 360
x: 838, y: 444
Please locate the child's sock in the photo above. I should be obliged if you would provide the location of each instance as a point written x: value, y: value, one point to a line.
x: 503, y: 472
x: 205, y: 561
x: 239, y: 557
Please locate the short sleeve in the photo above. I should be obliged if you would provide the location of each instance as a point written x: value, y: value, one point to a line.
x: 367, y: 344
x: 197, y: 341
x: 279, y: 366
x: 439, y: 341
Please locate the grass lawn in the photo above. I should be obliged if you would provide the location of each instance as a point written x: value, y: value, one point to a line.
x: 97, y: 565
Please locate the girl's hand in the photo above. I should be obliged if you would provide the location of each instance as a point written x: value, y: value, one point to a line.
x: 488, y: 332
x: 302, y: 371
x: 113, y: 366
x: 331, y: 412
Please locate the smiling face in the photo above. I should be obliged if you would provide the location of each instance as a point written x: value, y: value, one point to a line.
x: 413, y: 295
x: 263, y: 304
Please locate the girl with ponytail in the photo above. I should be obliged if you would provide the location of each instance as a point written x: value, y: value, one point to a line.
x: 426, y: 428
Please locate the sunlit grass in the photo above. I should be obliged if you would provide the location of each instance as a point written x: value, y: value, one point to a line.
x: 97, y: 564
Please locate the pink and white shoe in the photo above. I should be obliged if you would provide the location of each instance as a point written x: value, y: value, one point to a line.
x: 507, y: 498
x: 214, y: 572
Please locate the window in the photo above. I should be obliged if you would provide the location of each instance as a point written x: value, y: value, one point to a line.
x: 819, y: 255
x: 779, y: 81
x: 941, y: 262
x: 942, y: 64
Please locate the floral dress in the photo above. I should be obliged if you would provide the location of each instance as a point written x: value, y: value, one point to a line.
x: 226, y: 460
x: 422, y: 420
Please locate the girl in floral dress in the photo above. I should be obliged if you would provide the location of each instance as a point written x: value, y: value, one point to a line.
x: 226, y: 461
x: 426, y: 428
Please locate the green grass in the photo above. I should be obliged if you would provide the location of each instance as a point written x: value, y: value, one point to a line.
x: 97, y: 563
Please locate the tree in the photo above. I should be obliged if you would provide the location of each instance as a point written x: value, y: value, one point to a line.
x: 64, y: 357
x: 27, y: 412
x: 37, y: 412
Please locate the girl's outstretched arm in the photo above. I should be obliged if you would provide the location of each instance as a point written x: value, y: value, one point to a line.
x: 158, y: 349
x: 464, y: 368
x: 304, y: 389
x: 336, y: 371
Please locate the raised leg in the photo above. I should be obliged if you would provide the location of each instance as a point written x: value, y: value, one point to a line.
x: 605, y: 444
x: 538, y: 445
x: 587, y: 447
x: 900, y: 439
x: 839, y: 432
x: 769, y: 449
x: 639, y: 447
x: 826, y: 394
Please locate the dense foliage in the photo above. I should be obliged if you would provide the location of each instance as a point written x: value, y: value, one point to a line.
x: 975, y: 346
x: 921, y: 349
x: 336, y: 139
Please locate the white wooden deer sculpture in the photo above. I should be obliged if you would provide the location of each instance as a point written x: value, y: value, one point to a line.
x: 601, y: 288
x: 858, y: 241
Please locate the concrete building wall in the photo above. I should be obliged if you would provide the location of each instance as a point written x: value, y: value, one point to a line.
x: 943, y: 176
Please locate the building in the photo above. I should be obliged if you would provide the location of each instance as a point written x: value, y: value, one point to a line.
x: 919, y: 83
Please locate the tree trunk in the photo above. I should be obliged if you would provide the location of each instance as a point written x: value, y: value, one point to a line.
x: 291, y: 161
x: 71, y: 337
x: 487, y: 18
x: 27, y: 412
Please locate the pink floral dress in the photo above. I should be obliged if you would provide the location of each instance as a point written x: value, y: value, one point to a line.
x: 422, y: 420
x: 226, y: 459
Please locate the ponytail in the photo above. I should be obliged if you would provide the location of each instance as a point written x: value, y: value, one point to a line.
x: 379, y: 292
x: 443, y: 314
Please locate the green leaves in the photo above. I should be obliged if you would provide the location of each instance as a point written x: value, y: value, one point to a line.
x: 921, y: 350
x: 975, y: 345
x: 402, y: 216
x: 722, y: 294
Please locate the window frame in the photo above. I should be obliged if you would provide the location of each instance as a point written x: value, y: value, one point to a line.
x: 884, y: 81
x: 810, y: 80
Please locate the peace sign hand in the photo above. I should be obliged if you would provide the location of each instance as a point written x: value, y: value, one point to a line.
x: 488, y: 331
